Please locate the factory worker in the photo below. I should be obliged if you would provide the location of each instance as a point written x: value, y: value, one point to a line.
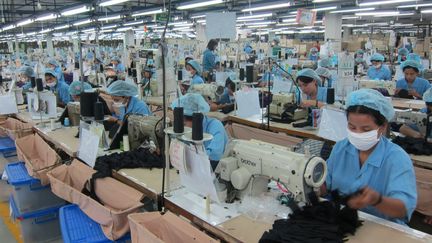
x: 226, y: 99
x: 325, y: 63
x: 413, y: 85
x: 417, y: 58
x: 54, y: 65
x: 313, y: 54
x: 209, y: 56
x: 125, y: 101
x: 310, y: 84
x: 76, y: 88
x: 110, y: 74
x: 60, y: 89
x: 376, y: 172
x: 194, y: 70
x: 147, y: 75
x: 402, y: 54
x: 360, y: 58
x: 188, y: 58
x: 120, y: 67
x: 248, y: 49
x: 378, y: 70
x: 325, y: 76
x: 192, y: 103
x: 25, y: 73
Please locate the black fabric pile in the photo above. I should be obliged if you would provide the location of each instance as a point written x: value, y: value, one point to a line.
x: 417, y: 146
x: 138, y: 158
x: 320, y: 222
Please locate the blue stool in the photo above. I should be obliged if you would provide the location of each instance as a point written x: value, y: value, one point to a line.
x: 7, y: 147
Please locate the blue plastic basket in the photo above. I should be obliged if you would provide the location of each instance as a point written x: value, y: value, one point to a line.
x: 7, y: 147
x: 77, y: 227
x: 18, y: 175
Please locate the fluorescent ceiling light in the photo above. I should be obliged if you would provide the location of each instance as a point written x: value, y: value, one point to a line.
x: 184, y: 25
x: 352, y: 10
x: 25, y: 22
x: 46, y: 17
x: 87, y: 21
x: 134, y: 23
x: 255, y: 16
x: 109, y: 18
x: 257, y: 26
x: 107, y: 30
x: 350, y: 17
x: 384, y: 2
x: 177, y: 23
x: 324, y: 8
x: 199, y: 4
x: 9, y: 27
x: 249, y: 20
x: 415, y: 5
x: 322, y: 1
x: 198, y: 16
x: 74, y: 11
x: 89, y: 30
x: 201, y: 21
x: 426, y: 11
x: 266, y: 7
x: 261, y: 23
x: 124, y: 28
x: 111, y: 2
x: 45, y: 31
x: 108, y: 27
x: 148, y: 12
x: 378, y: 13
x: 289, y: 20
x: 31, y: 33
x: 286, y: 24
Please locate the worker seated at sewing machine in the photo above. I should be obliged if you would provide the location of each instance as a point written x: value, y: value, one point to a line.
x: 310, y: 84
x: 226, y: 101
x: 59, y: 88
x: 195, y: 103
x: 377, y: 174
x: 411, y: 86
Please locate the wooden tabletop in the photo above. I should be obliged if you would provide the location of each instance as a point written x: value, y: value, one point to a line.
x: 408, y: 104
x: 422, y: 160
x: 63, y: 138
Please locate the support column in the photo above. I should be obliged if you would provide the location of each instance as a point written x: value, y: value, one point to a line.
x: 333, y: 30
x: 50, y: 46
x: 129, y: 40
x: 347, y: 33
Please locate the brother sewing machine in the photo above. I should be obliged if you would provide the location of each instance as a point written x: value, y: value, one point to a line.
x: 284, y: 108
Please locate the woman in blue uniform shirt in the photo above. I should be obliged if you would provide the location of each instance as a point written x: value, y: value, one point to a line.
x: 378, y: 70
x: 193, y: 103
x: 310, y: 84
x: 402, y: 54
x: 376, y: 172
x: 414, y: 85
x: 25, y: 73
x: 54, y: 65
x: 313, y: 54
x: 194, y: 70
x: 60, y: 89
x: 124, y: 101
x: 325, y: 75
x: 209, y: 57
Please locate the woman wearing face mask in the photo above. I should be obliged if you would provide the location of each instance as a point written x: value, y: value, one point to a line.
x: 209, y: 57
x: 378, y: 71
x: 25, y: 73
x: 192, y: 103
x: 124, y: 101
x: 310, y: 84
x: 54, y: 65
x: 194, y: 70
x: 411, y: 83
x: 376, y: 172
x: 60, y: 89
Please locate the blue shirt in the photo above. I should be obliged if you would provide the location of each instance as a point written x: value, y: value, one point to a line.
x: 61, y: 90
x: 216, y: 147
x: 120, y: 68
x: 135, y: 106
x: 321, y: 94
x: 388, y: 170
x: 419, y: 85
x: 209, y: 60
x: 383, y: 73
x: 59, y: 73
x: 196, y: 79
x: 313, y: 57
x: 225, y: 98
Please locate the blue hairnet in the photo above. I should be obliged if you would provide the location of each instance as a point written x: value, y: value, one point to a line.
x: 192, y: 102
x: 360, y: 52
x: 403, y: 51
x: 324, y: 72
x: 51, y: 72
x: 325, y: 62
x: 373, y: 100
x: 27, y: 71
x: 247, y: 49
x: 122, y: 88
x: 314, y: 49
x: 414, y: 57
x: 195, y: 65
x: 307, y: 72
x: 115, y: 58
x: 75, y: 88
x: 427, y: 95
x: 89, y: 55
x: 27, y: 63
x: 53, y: 62
x: 411, y: 63
x: 377, y: 57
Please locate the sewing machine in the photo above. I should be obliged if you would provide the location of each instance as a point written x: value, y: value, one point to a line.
x: 210, y: 91
x: 378, y: 84
x: 412, y: 117
x: 249, y: 165
x: 142, y: 128
x: 284, y: 107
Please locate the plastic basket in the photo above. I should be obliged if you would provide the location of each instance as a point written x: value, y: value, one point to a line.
x: 7, y: 147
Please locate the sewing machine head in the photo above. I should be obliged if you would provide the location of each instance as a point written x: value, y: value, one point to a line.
x: 284, y: 107
x: 412, y: 117
x: 210, y: 91
x: 144, y: 128
x: 378, y: 84
x: 249, y: 165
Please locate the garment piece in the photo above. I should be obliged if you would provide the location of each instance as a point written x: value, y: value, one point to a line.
x: 388, y: 170
x: 209, y: 60
x: 382, y: 73
x: 216, y: 147
x: 420, y: 85
x: 417, y: 146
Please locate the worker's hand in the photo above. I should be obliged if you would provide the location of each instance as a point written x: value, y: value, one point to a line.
x: 414, y: 93
x: 112, y: 119
x: 367, y: 197
x: 308, y: 103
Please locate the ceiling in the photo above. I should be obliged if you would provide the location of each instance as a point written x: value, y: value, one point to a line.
x: 22, y: 18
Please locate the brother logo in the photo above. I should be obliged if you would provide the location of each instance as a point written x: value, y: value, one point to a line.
x: 248, y: 162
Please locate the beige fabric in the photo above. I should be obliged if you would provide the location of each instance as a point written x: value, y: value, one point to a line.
x: 119, y: 200
x: 15, y: 129
x: 152, y: 227
x: 238, y: 131
x: 38, y: 156
x: 424, y: 190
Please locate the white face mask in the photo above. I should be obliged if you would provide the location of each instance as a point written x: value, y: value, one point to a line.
x: 377, y: 66
x: 51, y: 85
x: 363, y: 141
x: 119, y: 108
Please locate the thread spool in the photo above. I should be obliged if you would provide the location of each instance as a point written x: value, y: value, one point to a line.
x: 134, y: 73
x: 33, y: 82
x: 330, y: 96
x: 249, y: 73
x: 1, y: 79
x: 197, y: 126
x: 52, y: 124
x: 242, y: 74
x: 126, y: 146
x: 231, y: 64
x: 39, y: 84
x: 87, y: 101
x: 129, y: 71
x: 286, y: 56
x: 279, y: 54
x: 98, y: 111
x: 76, y: 65
x: 101, y: 68
x: 178, y: 120
x: 180, y: 75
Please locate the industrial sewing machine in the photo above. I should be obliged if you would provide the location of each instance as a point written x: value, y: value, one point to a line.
x: 250, y: 164
x: 378, y: 84
x: 210, y: 91
x: 144, y: 128
x: 412, y: 117
x: 284, y: 108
